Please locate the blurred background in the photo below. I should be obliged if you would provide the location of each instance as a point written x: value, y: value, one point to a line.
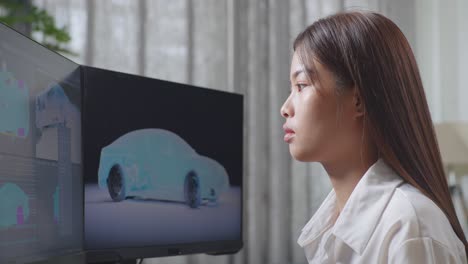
x: 245, y: 47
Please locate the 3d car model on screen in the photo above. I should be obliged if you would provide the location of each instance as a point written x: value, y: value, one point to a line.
x: 14, y: 106
x: 14, y: 205
x: 158, y: 164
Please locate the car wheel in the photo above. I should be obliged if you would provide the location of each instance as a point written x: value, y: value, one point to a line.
x: 116, y: 183
x: 192, y: 192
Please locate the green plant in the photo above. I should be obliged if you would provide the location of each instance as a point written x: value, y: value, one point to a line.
x: 23, y: 14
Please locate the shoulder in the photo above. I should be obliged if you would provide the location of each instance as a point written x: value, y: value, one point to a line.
x: 418, y: 223
x: 417, y: 209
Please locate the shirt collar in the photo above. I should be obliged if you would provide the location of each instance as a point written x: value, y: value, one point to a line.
x: 361, y: 213
x: 321, y: 221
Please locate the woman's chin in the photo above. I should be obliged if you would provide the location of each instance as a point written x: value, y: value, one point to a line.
x: 301, y: 154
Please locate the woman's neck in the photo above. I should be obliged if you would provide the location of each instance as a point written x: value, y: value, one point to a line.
x: 345, y: 175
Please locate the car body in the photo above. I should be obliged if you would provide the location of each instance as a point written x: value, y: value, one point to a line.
x: 158, y: 164
x: 14, y: 106
x: 14, y: 205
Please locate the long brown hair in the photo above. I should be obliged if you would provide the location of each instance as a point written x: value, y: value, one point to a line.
x: 368, y: 51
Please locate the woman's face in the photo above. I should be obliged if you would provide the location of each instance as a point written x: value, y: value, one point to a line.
x: 314, y: 129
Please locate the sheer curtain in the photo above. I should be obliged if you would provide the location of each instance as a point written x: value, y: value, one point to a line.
x: 245, y: 47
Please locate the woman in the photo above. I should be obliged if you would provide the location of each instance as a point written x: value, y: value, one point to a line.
x: 357, y: 106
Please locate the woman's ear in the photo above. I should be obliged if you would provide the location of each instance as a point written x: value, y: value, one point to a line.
x: 358, y: 103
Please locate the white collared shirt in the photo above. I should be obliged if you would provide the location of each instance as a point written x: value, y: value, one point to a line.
x: 385, y: 220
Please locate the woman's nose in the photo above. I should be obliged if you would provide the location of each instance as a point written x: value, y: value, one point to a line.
x: 283, y: 112
x: 285, y: 109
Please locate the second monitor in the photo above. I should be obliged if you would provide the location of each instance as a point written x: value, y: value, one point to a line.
x: 163, y: 167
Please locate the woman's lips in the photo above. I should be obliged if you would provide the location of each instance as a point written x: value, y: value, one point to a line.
x: 289, y: 134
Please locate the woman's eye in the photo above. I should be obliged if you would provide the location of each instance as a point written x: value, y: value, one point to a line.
x: 300, y: 86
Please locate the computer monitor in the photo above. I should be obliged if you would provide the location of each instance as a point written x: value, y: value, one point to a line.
x: 163, y: 167
x: 40, y: 151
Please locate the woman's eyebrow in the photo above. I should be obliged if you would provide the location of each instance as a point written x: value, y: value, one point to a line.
x: 296, y: 73
x: 311, y: 74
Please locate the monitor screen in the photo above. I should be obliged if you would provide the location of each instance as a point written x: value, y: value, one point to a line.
x: 163, y: 167
x: 40, y: 151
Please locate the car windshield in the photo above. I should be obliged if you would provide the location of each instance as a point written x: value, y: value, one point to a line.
x: 171, y: 143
